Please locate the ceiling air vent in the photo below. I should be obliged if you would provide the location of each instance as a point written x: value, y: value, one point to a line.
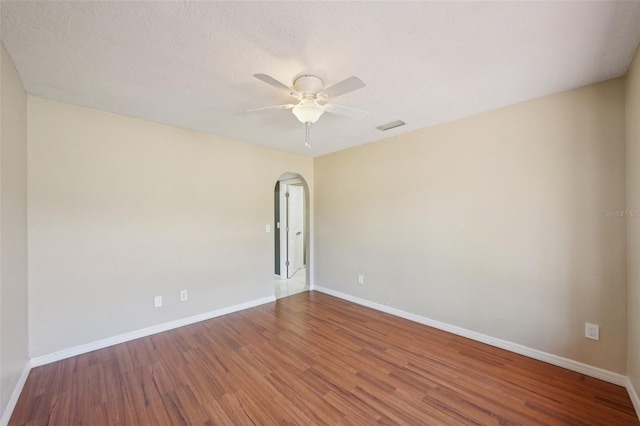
x: 391, y: 125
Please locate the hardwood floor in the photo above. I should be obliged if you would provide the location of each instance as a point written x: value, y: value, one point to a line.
x: 312, y: 359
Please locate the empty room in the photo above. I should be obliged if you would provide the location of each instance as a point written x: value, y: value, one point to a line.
x: 313, y: 212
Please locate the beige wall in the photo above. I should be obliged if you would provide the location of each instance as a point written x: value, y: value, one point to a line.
x: 121, y: 210
x: 633, y: 223
x: 494, y: 223
x: 13, y: 229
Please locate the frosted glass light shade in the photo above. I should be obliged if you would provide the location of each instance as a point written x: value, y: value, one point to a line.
x: 308, y: 111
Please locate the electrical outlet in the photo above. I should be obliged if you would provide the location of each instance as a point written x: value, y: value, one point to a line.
x: 591, y: 331
x: 184, y: 295
x: 157, y: 301
x: 360, y: 279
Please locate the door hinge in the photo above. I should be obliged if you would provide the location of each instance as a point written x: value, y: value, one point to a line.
x: 286, y: 263
x: 286, y: 194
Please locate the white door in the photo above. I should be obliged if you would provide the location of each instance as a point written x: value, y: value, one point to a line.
x: 295, y: 237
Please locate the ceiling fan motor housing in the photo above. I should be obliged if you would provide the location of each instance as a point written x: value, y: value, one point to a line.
x: 308, y: 85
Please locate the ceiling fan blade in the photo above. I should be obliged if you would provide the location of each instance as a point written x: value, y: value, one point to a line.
x: 275, y: 83
x: 286, y: 106
x: 345, y: 110
x: 345, y: 86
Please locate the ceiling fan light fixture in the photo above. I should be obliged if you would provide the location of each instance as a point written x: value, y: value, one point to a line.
x: 308, y: 111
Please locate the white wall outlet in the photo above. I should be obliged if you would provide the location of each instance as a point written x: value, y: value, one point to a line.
x: 268, y: 228
x: 157, y: 301
x: 184, y: 295
x: 591, y: 331
x: 360, y: 279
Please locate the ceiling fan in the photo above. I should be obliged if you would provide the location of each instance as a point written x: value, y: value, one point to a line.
x: 309, y: 90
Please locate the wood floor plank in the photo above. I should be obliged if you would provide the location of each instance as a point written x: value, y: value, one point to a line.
x: 289, y: 386
x: 313, y: 359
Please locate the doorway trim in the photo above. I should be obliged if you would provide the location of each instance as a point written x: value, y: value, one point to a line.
x: 280, y: 235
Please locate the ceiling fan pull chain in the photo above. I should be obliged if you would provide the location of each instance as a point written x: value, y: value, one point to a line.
x: 308, y: 126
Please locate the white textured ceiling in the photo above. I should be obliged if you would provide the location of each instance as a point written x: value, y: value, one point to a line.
x: 191, y: 64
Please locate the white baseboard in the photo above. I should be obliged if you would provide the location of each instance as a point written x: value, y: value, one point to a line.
x: 569, y: 364
x: 6, y: 416
x: 121, y: 338
x: 634, y: 397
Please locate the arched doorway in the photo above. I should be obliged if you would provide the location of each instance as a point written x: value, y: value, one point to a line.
x: 291, y: 236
